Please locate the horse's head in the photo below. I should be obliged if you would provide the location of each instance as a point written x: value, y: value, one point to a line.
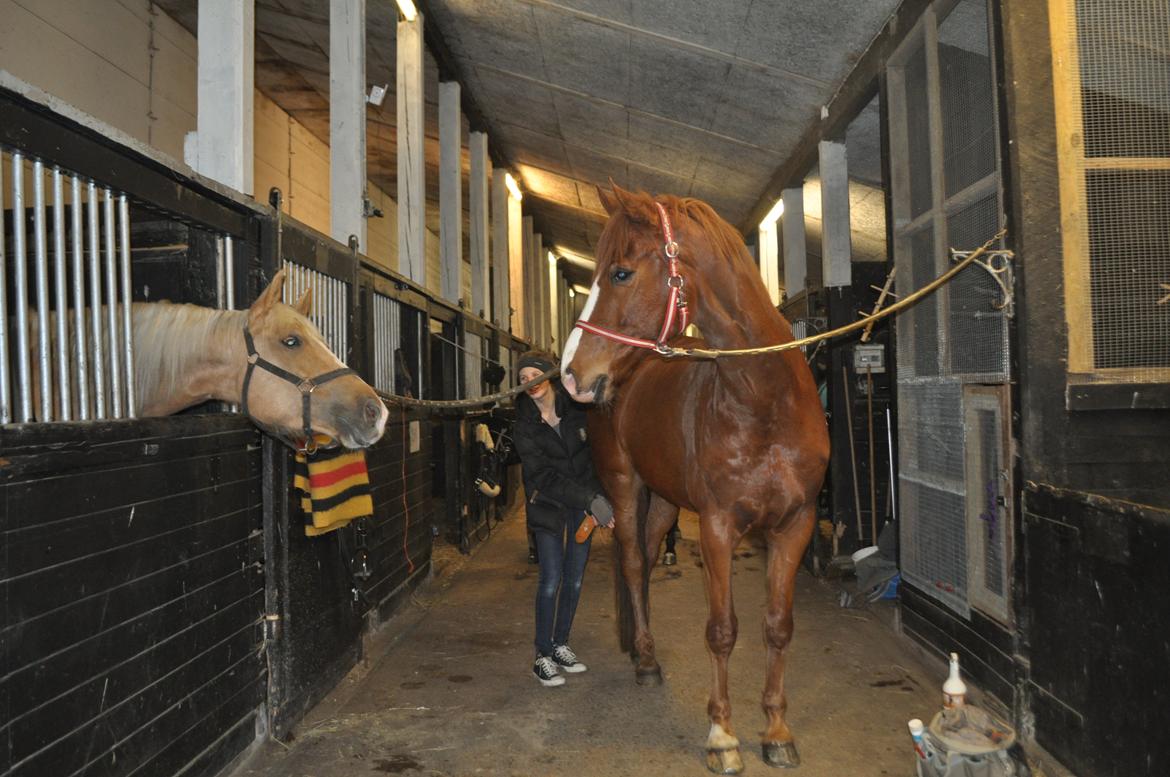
x: 341, y: 406
x: 631, y: 295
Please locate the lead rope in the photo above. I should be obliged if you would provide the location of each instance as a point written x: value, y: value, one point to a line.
x: 716, y: 353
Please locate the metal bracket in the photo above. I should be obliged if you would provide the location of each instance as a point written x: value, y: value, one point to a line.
x: 997, y: 264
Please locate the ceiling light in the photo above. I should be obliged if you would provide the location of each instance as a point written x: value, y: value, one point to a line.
x: 513, y: 187
x: 377, y: 95
x: 552, y: 259
x: 773, y: 216
x: 572, y: 292
x: 581, y: 289
x: 408, y: 9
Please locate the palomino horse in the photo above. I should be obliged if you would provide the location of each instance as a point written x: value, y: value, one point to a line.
x: 741, y: 441
x: 269, y: 359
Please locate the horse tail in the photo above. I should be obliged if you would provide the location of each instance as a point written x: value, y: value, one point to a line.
x: 622, y: 602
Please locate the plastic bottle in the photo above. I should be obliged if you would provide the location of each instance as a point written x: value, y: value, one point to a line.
x: 916, y: 730
x: 954, y: 689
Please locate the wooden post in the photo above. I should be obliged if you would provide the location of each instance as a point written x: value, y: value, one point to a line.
x: 516, y: 249
x: 501, y: 283
x: 412, y: 204
x: 450, y: 192
x: 221, y: 148
x: 481, y: 177
x: 836, y: 243
x: 347, y: 120
x: 795, y: 255
x: 769, y: 250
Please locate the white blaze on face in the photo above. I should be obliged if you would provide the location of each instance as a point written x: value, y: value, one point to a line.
x: 575, y: 336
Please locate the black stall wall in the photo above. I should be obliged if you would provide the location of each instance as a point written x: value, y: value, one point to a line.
x: 133, y: 595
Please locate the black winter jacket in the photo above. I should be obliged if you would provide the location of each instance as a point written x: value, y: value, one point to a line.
x: 559, y: 481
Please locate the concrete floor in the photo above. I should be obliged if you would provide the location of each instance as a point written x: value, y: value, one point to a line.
x: 447, y: 687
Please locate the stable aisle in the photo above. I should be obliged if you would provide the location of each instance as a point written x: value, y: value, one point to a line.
x: 452, y: 692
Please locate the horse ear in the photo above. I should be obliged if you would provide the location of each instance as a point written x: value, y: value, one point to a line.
x: 305, y: 304
x: 270, y: 296
x: 632, y: 205
x: 608, y: 200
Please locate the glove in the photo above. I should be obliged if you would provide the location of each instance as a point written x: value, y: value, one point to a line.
x: 602, y: 510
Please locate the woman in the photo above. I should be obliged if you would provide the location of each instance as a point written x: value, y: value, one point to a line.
x: 561, y: 489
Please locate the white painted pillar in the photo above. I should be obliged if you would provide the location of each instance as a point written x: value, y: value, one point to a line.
x: 516, y: 250
x: 837, y: 249
x: 769, y: 252
x: 412, y: 203
x: 795, y: 253
x: 528, y: 302
x: 481, y: 177
x: 501, y: 315
x: 221, y: 147
x: 347, y: 120
x: 539, y: 290
x: 450, y: 192
x: 554, y: 306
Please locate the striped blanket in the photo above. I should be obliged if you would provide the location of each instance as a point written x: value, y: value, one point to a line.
x: 335, y: 489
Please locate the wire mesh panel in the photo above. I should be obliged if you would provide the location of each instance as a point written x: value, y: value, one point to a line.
x: 1112, y: 84
x: 66, y: 328
x: 943, y: 100
x: 330, y: 312
x: 977, y: 327
x: 989, y: 502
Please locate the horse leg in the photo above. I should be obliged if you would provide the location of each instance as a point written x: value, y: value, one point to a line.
x: 660, y: 515
x: 785, y: 547
x: 717, y: 540
x: 629, y: 519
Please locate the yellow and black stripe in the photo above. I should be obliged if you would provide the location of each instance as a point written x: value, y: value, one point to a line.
x: 335, y: 489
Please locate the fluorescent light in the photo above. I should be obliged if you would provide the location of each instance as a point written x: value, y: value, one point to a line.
x: 580, y: 289
x: 572, y: 292
x: 513, y: 187
x: 408, y: 9
x: 773, y: 216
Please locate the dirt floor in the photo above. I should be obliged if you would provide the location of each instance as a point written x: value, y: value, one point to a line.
x: 447, y: 687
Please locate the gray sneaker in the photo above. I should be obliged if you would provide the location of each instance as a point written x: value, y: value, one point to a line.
x: 566, y: 659
x: 545, y: 670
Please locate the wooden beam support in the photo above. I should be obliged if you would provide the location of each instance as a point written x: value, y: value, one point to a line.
x: 412, y: 203
x: 795, y: 250
x: 479, y: 183
x: 450, y: 192
x: 837, y: 249
x: 501, y: 274
x: 221, y: 147
x: 347, y: 120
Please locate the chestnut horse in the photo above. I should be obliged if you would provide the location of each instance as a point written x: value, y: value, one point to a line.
x: 269, y: 359
x: 741, y: 441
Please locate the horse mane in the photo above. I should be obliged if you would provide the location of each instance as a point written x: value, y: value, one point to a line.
x: 724, y: 239
x: 169, y: 337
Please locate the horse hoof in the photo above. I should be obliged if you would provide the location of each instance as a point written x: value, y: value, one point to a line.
x: 781, y: 754
x: 724, y: 761
x: 648, y: 676
x: 669, y: 559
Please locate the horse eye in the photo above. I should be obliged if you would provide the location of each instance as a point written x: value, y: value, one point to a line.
x: 292, y: 341
x: 621, y: 275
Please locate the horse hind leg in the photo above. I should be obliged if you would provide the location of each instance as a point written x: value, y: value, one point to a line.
x: 660, y: 516
x: 717, y: 541
x: 785, y: 548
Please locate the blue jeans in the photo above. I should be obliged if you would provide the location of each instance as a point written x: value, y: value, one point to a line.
x: 562, y: 566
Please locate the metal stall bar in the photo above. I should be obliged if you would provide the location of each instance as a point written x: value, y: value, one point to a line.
x: 112, y: 306
x: 23, y: 364
x: 127, y: 307
x: 95, y: 305
x: 61, y: 282
x: 229, y: 259
x: 220, y: 294
x: 5, y: 394
x: 44, y: 332
x: 79, y: 306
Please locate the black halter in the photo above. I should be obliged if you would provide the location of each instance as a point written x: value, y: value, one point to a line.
x: 305, y: 385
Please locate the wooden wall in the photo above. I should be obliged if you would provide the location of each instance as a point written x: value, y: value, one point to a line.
x: 1092, y: 592
x: 133, y: 593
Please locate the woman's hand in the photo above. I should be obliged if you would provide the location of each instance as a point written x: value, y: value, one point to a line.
x: 602, y: 511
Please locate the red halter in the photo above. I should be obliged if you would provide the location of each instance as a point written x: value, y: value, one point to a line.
x: 677, y: 313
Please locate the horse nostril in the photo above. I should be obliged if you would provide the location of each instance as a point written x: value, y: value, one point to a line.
x: 373, y: 410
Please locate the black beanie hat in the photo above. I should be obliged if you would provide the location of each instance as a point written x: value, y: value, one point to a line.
x: 541, y: 360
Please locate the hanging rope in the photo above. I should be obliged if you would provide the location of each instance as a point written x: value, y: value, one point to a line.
x: 965, y: 260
